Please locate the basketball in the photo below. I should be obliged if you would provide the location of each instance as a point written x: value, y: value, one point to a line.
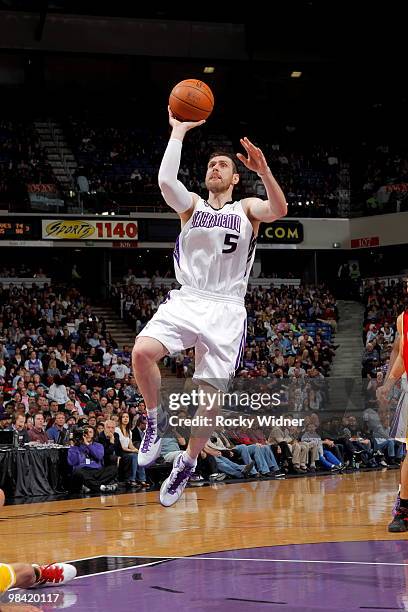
x: 2, y: 498
x: 191, y: 100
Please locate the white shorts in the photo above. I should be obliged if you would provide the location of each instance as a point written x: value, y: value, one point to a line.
x: 215, y: 325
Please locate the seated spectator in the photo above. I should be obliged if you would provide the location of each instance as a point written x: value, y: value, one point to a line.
x: 295, y: 452
x: 139, y: 430
x: 58, y: 433
x: 86, y: 458
x: 38, y: 433
x: 19, y: 425
x: 257, y: 450
x: 326, y: 457
x: 381, y: 435
x: 113, y: 454
x: 120, y: 370
x: 215, y: 449
x: 170, y: 448
x: 138, y: 473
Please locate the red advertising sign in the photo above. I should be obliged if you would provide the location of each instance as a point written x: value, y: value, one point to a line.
x: 362, y: 243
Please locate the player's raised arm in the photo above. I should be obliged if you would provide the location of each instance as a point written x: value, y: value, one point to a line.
x: 174, y: 192
x: 275, y: 206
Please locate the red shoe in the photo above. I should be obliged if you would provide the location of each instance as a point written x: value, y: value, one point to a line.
x: 55, y: 573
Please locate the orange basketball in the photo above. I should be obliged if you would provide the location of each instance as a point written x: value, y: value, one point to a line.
x: 2, y: 498
x: 191, y: 100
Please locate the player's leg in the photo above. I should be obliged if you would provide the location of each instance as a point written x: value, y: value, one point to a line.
x: 26, y: 575
x: 145, y: 355
x: 171, y: 329
x: 400, y: 520
x: 218, y: 351
x: 185, y: 463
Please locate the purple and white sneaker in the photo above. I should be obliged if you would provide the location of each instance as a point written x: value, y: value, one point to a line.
x: 150, y: 447
x: 173, y: 487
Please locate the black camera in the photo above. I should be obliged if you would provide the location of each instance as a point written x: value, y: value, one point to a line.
x: 78, y: 435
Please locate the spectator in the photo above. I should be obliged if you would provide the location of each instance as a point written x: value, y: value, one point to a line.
x: 37, y: 433
x: 58, y: 433
x: 58, y: 392
x: 86, y: 459
x: 123, y: 430
x: 19, y: 425
x: 113, y: 454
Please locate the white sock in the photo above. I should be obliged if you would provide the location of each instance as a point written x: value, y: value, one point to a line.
x: 152, y: 414
x: 187, y: 460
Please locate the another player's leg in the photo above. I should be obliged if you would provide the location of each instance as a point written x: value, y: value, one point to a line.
x: 29, y: 576
x: 185, y: 463
x: 400, y: 520
x: 145, y: 355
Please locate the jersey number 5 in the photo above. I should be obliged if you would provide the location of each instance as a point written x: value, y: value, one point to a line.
x: 230, y: 242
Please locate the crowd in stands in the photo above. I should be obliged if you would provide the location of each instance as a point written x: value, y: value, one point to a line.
x: 383, y: 303
x: 22, y: 161
x: 118, y: 161
x: 21, y: 271
x: 381, y: 182
x: 309, y: 179
x: 120, y: 164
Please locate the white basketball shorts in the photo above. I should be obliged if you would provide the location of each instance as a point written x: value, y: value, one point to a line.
x: 214, y: 324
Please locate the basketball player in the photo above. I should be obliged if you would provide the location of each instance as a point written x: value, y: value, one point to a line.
x: 398, y: 368
x: 213, y: 257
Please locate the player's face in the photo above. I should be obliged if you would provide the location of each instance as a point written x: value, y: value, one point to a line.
x: 220, y: 174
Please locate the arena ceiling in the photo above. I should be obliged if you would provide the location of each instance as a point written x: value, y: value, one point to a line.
x: 353, y: 65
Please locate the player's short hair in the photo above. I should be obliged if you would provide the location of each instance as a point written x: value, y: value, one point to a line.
x: 225, y: 154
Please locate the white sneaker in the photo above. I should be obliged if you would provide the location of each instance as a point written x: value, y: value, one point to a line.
x: 55, y: 574
x: 173, y: 487
x: 196, y: 480
x: 150, y: 447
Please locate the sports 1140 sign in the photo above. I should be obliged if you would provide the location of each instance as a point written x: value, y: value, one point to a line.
x: 89, y: 229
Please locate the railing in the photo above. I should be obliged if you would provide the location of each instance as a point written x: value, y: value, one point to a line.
x: 384, y: 279
x: 27, y: 281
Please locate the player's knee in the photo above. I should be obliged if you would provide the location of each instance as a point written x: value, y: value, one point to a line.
x: 141, y: 356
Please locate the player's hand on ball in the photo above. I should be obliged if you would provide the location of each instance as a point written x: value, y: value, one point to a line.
x: 256, y: 160
x: 186, y: 125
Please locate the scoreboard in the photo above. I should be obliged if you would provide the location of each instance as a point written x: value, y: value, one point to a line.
x: 15, y: 230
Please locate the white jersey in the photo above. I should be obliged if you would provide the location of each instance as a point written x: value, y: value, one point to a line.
x: 215, y: 250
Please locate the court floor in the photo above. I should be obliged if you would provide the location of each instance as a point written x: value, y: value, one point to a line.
x: 313, y: 543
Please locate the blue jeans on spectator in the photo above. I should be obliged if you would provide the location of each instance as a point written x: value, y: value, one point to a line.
x: 389, y: 445
x: 328, y: 459
x: 245, y: 454
x: 264, y: 458
x: 229, y: 467
x: 137, y: 473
